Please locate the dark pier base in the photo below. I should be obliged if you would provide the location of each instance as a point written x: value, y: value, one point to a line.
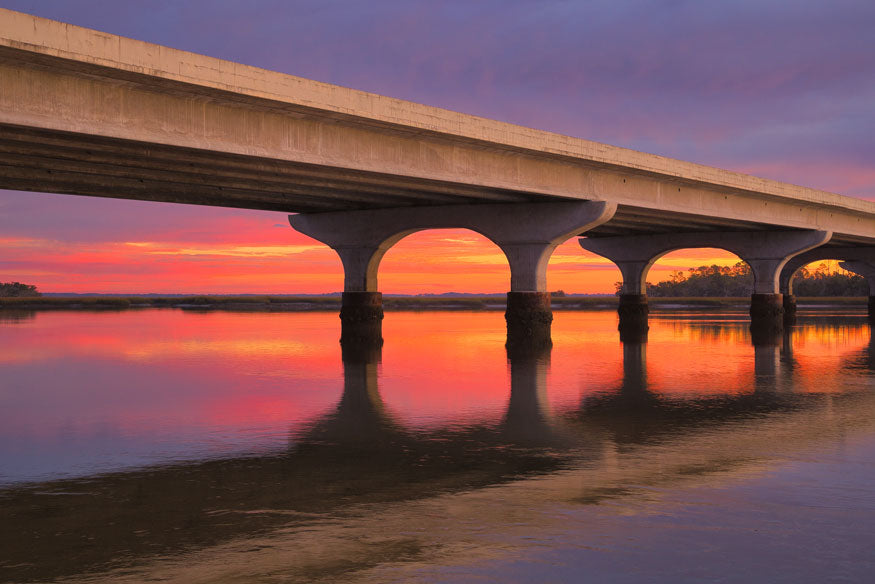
x: 633, y: 312
x: 872, y: 308
x: 529, y: 319
x: 766, y: 318
x: 361, y: 318
x: 789, y: 310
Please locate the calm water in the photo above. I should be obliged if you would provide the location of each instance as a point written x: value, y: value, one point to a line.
x: 247, y: 447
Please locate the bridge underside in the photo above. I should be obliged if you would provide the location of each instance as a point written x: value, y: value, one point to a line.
x: 72, y: 163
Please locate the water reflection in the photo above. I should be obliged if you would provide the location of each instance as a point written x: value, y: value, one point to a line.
x: 863, y: 359
x: 363, y: 460
x: 15, y: 316
x: 361, y: 419
x: 527, y: 421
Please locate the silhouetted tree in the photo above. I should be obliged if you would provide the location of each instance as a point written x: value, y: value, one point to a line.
x: 826, y: 282
x: 737, y: 280
x: 16, y: 289
x: 712, y: 280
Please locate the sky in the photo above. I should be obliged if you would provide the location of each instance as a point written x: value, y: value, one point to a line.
x: 779, y: 89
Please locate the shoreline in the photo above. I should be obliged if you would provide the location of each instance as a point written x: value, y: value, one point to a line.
x: 391, y: 303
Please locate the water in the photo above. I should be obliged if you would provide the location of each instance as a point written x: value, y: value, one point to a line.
x: 247, y: 447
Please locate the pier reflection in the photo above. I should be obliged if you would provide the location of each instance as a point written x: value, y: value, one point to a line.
x: 361, y: 419
x: 527, y: 421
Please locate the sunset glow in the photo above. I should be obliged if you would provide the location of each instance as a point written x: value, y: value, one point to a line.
x: 195, y: 390
x: 191, y: 250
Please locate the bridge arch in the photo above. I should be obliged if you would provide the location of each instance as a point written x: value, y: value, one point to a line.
x: 442, y: 260
x: 859, y: 260
x: 795, y: 271
x: 526, y: 233
x: 766, y: 252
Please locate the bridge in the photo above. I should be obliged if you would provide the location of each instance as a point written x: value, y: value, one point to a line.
x: 89, y: 113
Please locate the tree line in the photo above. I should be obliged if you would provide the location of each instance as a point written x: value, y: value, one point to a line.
x: 737, y: 280
x: 17, y: 289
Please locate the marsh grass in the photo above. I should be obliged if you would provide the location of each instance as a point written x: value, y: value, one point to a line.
x: 305, y: 303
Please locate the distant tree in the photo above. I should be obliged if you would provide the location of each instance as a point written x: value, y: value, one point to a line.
x: 737, y: 280
x: 711, y: 280
x: 17, y: 289
x: 558, y: 294
x: 825, y: 281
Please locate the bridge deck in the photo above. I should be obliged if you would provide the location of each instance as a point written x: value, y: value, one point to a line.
x: 89, y: 113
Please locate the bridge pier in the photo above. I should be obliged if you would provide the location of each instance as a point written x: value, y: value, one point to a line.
x: 766, y: 252
x: 527, y: 233
x: 361, y: 317
x: 633, y: 312
x: 529, y: 319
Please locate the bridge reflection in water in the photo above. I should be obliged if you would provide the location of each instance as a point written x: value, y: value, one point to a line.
x: 360, y: 465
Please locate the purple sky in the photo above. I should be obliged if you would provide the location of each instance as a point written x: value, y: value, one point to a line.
x: 784, y: 90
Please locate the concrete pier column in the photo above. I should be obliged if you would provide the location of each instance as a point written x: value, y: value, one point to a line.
x: 766, y: 252
x: 766, y: 302
x: 360, y: 249
x: 867, y: 270
x: 632, y: 307
x: 528, y: 314
x: 361, y: 317
x: 633, y: 312
x: 633, y: 255
x: 766, y: 307
x: 528, y: 238
x: 527, y: 233
x: 361, y: 307
x: 529, y: 318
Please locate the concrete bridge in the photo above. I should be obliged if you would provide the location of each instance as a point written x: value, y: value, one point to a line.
x: 89, y: 113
